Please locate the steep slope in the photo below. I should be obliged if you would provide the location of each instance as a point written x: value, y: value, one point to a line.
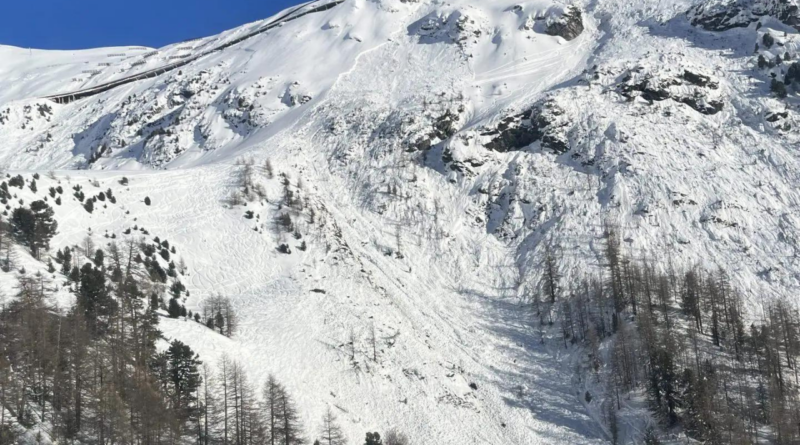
x: 247, y: 93
x: 260, y: 98
x: 441, y: 146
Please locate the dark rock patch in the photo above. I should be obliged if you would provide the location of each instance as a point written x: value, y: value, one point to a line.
x: 539, y: 123
x: 699, y: 80
x: 569, y: 25
x: 657, y: 90
x: 729, y: 14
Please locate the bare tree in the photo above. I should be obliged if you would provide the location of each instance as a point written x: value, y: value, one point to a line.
x: 352, y: 344
x: 268, y: 170
x: 551, y: 276
x: 331, y: 432
x: 219, y: 310
x: 394, y: 437
x: 373, y: 342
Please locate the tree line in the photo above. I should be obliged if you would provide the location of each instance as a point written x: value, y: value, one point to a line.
x: 684, y: 338
x: 91, y: 373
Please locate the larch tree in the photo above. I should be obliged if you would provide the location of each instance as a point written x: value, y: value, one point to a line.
x: 330, y: 431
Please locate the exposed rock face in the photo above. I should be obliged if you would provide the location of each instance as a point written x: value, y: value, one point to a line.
x: 699, y: 79
x: 722, y: 15
x: 461, y: 27
x: 513, y: 133
x: 543, y: 122
x: 568, y: 25
x: 693, y: 89
x: 434, y: 130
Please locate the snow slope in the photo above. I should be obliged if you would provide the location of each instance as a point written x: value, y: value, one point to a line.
x: 440, y: 144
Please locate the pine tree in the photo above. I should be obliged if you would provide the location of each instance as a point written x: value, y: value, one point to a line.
x: 768, y: 40
x: 613, y: 423
x: 95, y: 299
x: 373, y: 439
x: 778, y: 88
x: 99, y: 258
x: 615, y: 280
x: 174, y: 308
x: 219, y: 322
x: 35, y: 226
x: 184, y: 379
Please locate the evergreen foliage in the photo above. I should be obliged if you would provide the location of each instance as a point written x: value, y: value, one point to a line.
x: 35, y: 226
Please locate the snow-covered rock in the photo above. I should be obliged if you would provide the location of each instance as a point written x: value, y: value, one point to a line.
x: 565, y: 22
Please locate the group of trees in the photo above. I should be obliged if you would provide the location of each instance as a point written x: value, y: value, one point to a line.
x: 682, y: 336
x: 231, y: 412
x: 294, y: 213
x: 92, y: 372
x: 289, y: 219
x: 217, y: 313
x: 246, y: 187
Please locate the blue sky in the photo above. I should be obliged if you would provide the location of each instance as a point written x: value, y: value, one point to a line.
x: 77, y: 24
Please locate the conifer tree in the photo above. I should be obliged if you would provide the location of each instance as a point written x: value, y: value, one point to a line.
x: 373, y: 439
x: 35, y: 226
x: 95, y: 299
x: 174, y: 308
x: 184, y: 379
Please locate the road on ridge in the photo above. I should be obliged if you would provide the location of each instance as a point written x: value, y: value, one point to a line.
x: 66, y: 98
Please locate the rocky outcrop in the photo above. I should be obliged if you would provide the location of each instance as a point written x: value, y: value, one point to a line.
x: 441, y: 128
x: 461, y: 27
x: 722, y: 15
x: 568, y: 24
x: 698, y: 91
x: 542, y: 123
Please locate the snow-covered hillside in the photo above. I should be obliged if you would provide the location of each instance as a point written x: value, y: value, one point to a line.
x: 440, y: 146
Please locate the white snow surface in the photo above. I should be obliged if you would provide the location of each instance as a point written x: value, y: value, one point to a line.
x: 339, y: 99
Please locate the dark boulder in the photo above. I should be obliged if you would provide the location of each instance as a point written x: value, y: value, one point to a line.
x: 569, y: 25
x: 699, y: 80
x: 540, y: 123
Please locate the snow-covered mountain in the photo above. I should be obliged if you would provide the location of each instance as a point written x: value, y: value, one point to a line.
x: 440, y: 146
